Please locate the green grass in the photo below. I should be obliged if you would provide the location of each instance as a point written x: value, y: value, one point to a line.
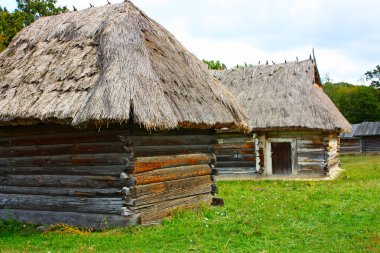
x: 258, y: 216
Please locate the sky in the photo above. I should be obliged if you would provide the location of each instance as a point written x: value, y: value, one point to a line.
x: 344, y: 33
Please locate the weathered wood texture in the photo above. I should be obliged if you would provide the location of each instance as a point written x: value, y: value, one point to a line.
x: 235, y: 154
x: 350, y: 145
x: 112, y: 177
x: 371, y: 144
x: 311, y: 150
x: 80, y: 219
x: 362, y: 144
x: 316, y: 151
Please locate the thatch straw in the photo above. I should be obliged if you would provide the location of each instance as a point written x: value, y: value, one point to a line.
x: 107, y: 65
x: 287, y: 95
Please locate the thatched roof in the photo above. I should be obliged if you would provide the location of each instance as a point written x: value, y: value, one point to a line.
x: 287, y: 95
x: 107, y: 65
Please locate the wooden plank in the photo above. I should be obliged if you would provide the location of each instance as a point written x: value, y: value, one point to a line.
x: 62, y: 149
x: 78, y: 219
x: 106, y: 205
x: 62, y: 181
x: 54, y: 191
x: 143, y: 164
x: 166, y: 186
x: 154, y: 214
x: 171, y: 194
x: 168, y: 140
x: 174, y: 173
x: 105, y: 170
x: 66, y: 160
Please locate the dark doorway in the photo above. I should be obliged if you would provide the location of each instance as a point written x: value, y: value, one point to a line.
x: 281, y: 157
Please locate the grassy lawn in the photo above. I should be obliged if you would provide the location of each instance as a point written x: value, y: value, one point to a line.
x: 259, y: 216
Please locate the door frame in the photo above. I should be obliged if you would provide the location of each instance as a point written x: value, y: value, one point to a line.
x: 268, y: 153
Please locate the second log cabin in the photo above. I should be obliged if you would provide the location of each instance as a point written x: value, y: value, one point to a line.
x: 294, y: 126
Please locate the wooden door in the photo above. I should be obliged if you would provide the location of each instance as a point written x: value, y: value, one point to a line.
x: 281, y: 157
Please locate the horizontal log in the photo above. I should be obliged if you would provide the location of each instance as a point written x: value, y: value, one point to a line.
x: 229, y: 152
x: 169, y: 195
x: 75, y: 137
x: 105, y: 170
x: 230, y: 157
x: 311, y: 156
x: 62, y: 149
x: 301, y: 134
x: 78, y: 219
x: 66, y: 160
x: 237, y: 170
x: 234, y: 140
x: 248, y: 145
x: 232, y: 135
x: 69, y: 204
x: 307, y: 168
x: 303, y: 159
x: 155, y: 213
x: 165, y: 187
x: 71, y: 192
x: 143, y: 164
x: 62, y: 181
x: 168, y: 140
x: 226, y: 164
x: 174, y: 173
x: 149, y: 151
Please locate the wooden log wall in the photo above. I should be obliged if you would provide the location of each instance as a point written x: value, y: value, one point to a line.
x: 371, y: 144
x: 350, y: 145
x: 113, y: 177
x: 235, y: 154
x: 363, y: 144
x: 312, y: 150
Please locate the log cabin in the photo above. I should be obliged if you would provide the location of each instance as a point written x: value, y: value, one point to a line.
x: 364, y: 138
x: 106, y: 120
x: 294, y: 126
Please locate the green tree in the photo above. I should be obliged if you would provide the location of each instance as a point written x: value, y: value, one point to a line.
x: 374, y: 77
x: 34, y: 9
x: 10, y: 25
x: 217, y: 65
x: 356, y: 103
x: 26, y: 12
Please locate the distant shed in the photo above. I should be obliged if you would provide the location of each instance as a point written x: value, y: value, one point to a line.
x: 294, y: 126
x: 364, y: 138
x: 106, y: 120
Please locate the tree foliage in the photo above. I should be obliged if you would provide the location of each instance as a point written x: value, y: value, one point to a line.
x: 374, y: 77
x: 25, y: 14
x: 216, y: 65
x: 356, y: 103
